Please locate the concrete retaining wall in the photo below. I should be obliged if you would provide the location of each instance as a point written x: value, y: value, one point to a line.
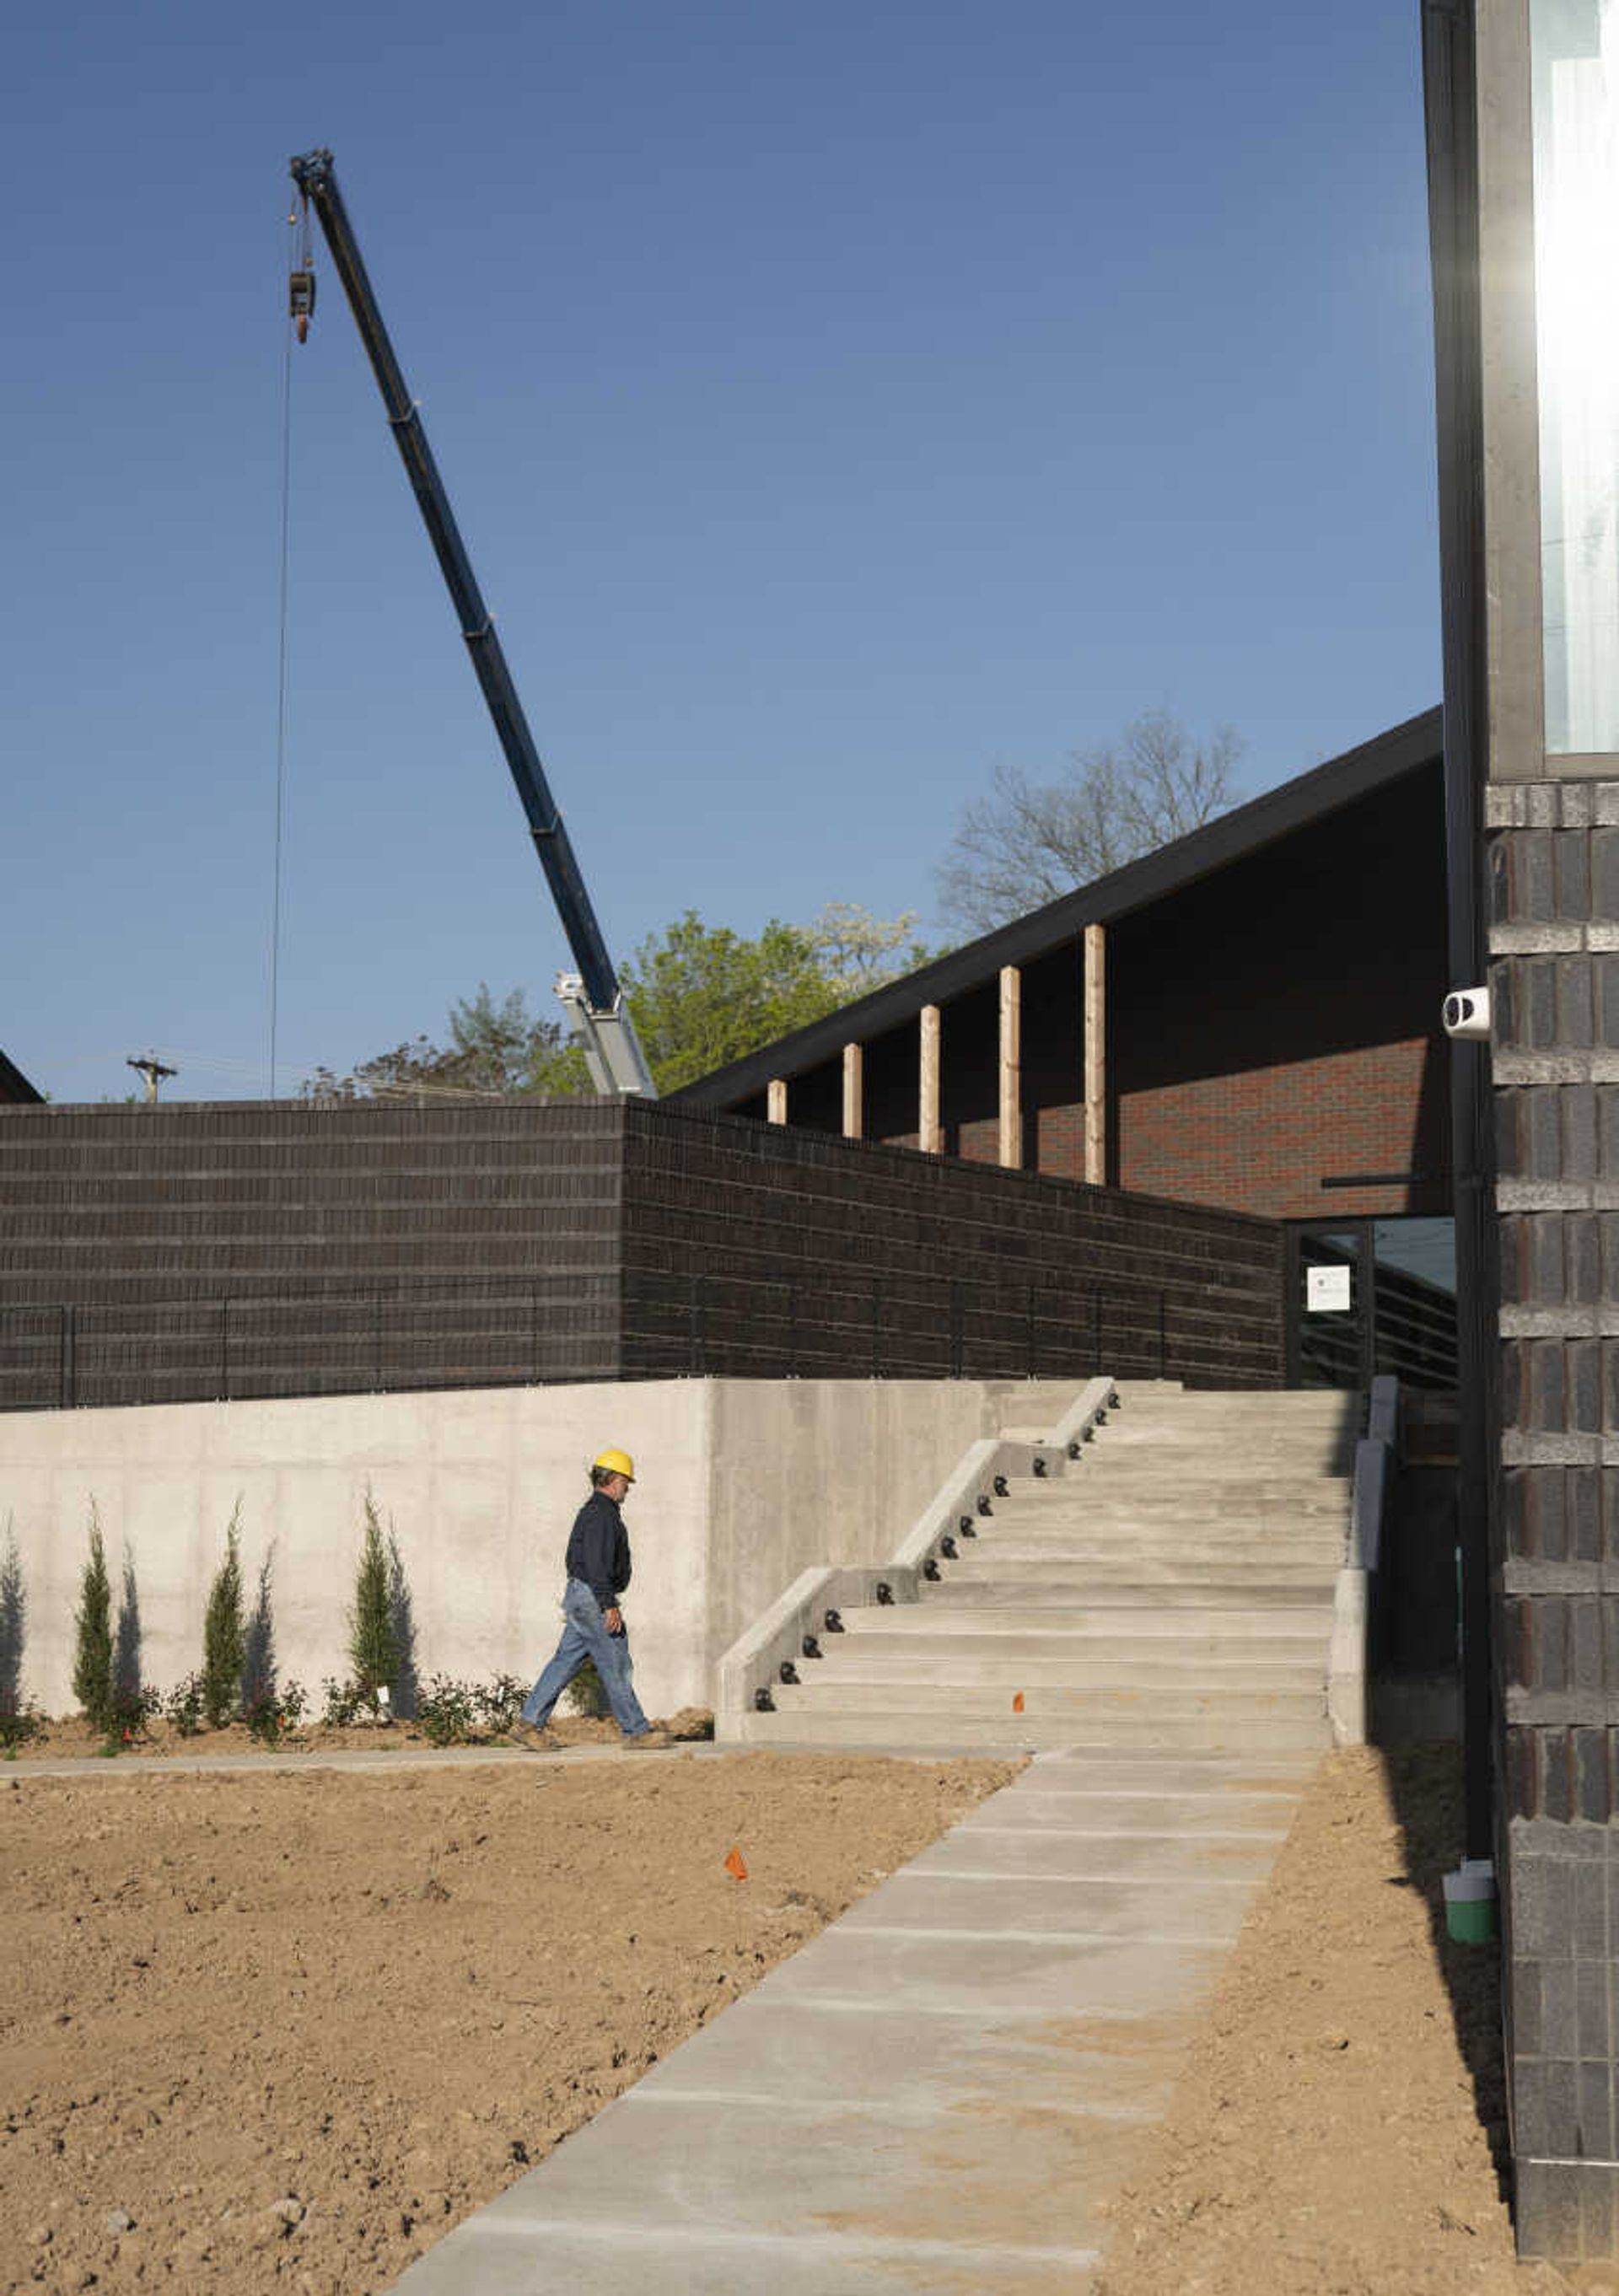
x: 743, y: 1483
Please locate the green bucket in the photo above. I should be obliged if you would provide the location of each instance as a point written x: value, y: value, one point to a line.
x: 1470, y: 1903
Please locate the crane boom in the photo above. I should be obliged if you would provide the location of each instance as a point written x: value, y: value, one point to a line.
x: 592, y: 998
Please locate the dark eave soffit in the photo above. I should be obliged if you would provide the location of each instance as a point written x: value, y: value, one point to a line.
x: 13, y: 1085
x: 1308, y: 798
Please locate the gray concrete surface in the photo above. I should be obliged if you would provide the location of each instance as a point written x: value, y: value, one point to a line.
x: 742, y: 1482
x: 1174, y: 1587
x: 943, y: 2089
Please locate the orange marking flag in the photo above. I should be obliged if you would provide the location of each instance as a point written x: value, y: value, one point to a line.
x: 1018, y: 1703
x: 738, y: 1864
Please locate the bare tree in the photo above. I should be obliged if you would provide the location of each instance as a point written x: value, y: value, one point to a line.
x: 1029, y: 842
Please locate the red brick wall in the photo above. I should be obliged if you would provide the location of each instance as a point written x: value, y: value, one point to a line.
x: 1264, y: 1139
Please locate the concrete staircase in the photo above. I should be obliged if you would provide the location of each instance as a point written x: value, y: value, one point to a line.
x: 1171, y: 1591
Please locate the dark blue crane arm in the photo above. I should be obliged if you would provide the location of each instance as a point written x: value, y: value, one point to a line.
x: 317, y: 179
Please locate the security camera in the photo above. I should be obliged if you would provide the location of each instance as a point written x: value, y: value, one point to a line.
x: 1467, y: 1013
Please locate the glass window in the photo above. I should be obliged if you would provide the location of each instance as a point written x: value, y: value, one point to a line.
x: 1575, y: 45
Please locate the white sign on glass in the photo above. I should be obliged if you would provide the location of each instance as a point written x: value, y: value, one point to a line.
x: 1326, y: 1289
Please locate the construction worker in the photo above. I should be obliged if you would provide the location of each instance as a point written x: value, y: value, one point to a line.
x: 598, y: 1571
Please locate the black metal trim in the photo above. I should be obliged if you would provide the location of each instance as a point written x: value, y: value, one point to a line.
x: 14, y: 1085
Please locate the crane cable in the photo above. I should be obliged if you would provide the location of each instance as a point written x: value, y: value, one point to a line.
x: 281, y: 677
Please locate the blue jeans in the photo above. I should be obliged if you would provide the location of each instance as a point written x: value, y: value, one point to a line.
x: 585, y: 1636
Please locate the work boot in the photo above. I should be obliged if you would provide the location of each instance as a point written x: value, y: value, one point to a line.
x: 649, y: 1741
x: 531, y: 1737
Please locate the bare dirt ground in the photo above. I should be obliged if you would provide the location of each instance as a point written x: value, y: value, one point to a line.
x: 1338, y: 2125
x: 267, y: 2031
x: 264, y: 2031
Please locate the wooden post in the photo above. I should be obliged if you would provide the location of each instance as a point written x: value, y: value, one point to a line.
x: 1096, y: 1055
x: 854, y: 1092
x: 930, y: 1127
x: 776, y: 1101
x: 1011, y: 1111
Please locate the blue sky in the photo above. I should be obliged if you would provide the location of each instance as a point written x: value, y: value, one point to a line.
x: 837, y: 400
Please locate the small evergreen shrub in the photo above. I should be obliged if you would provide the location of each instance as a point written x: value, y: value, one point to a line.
x: 184, y: 1706
x: 374, y: 1643
x: 270, y: 1713
x: 14, y: 1620
x: 586, y: 1694
x: 20, y: 1720
x: 224, y: 1632
x: 93, y: 1629
x: 133, y: 1709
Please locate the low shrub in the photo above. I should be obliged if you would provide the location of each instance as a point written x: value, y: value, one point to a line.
x: 20, y: 1720
x: 183, y: 1709
x: 499, y: 1701
x: 586, y: 1694
x: 133, y: 1710
x: 448, y: 1712
x: 344, y: 1704
x: 270, y: 1712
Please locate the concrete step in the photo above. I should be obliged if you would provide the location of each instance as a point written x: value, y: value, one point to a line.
x: 970, y: 1699
x: 902, y: 1623
x: 1134, y: 1733
x: 1126, y: 1496
x: 992, y: 1536
x: 1151, y: 1667
x: 1119, y: 1593
x: 1139, y: 1571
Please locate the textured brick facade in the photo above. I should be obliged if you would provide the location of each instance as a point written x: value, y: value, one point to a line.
x: 188, y: 1251
x: 1552, y: 856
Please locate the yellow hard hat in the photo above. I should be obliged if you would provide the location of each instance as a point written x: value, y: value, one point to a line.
x: 616, y: 1462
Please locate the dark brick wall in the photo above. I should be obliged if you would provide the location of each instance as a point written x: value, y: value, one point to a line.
x: 288, y: 1248
x: 787, y: 1248
x: 1552, y: 873
x: 188, y: 1251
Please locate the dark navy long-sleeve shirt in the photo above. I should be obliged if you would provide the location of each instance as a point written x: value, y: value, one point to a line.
x: 598, y: 1549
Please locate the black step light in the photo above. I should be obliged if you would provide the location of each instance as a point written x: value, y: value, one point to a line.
x: 983, y: 1504
x: 1000, y: 1486
x: 1040, y: 1471
x: 763, y: 1703
x: 965, y: 1527
x: 789, y: 1672
x: 810, y: 1647
x: 948, y: 1547
x: 929, y: 1569
x: 885, y: 1594
x: 833, y: 1623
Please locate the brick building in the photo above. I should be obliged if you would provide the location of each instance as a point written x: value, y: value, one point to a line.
x: 1247, y: 1018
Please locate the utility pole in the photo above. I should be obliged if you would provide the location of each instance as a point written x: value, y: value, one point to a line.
x: 152, y: 1069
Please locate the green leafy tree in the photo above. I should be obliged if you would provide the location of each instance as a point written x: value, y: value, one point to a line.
x: 92, y: 1629
x: 700, y: 996
x: 495, y: 1047
x: 374, y: 1641
x: 224, y: 1632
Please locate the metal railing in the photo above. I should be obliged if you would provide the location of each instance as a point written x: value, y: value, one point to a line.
x: 530, y: 1330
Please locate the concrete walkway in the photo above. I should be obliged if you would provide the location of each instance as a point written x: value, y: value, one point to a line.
x: 940, y: 2092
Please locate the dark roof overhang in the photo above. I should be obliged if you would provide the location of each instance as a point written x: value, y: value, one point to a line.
x: 1307, y: 799
x: 14, y: 1085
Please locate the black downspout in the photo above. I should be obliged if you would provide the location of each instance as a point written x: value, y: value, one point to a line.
x: 1451, y: 111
